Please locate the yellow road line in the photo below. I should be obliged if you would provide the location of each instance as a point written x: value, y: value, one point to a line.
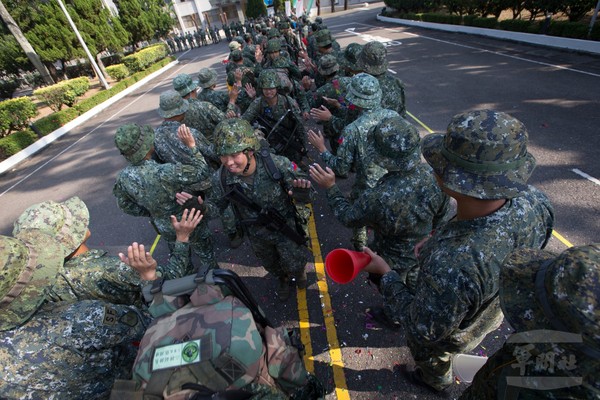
x: 335, y: 352
x: 556, y: 234
x: 154, y: 244
x: 304, y: 323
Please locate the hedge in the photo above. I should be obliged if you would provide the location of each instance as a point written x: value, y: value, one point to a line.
x: 54, y: 121
x: 63, y: 93
x: 118, y: 71
x: 16, y: 142
x: 142, y: 59
x: 15, y: 114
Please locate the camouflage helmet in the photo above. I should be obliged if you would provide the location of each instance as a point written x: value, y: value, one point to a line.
x: 394, y: 145
x: 364, y: 91
x: 323, y: 38
x: 318, y: 20
x: 234, y: 135
x: 172, y: 104
x: 207, y: 77
x: 539, y: 290
x: 239, y: 40
x: 67, y: 221
x: 483, y: 154
x: 373, y: 58
x: 350, y: 59
x: 30, y: 267
x: 328, y: 65
x: 134, y: 141
x: 268, y: 79
x: 234, y: 45
x: 184, y: 84
x: 236, y: 56
x: 273, y: 45
x: 273, y: 33
x: 283, y: 25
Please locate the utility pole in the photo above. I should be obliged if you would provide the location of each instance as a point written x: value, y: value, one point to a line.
x: 593, y: 21
x: 87, y: 51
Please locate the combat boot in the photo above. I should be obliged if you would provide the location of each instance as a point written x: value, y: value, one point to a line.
x: 283, y: 290
x: 235, y: 239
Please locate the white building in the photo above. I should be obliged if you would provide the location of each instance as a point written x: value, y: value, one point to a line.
x: 193, y: 14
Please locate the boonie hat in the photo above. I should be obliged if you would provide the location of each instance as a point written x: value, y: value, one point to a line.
x: 394, y: 145
x: 134, y: 141
x: 483, y: 154
x: 328, y: 65
x: 207, y: 77
x: 373, y: 58
x: 172, y: 104
x: 364, y: 91
x: 184, y: 84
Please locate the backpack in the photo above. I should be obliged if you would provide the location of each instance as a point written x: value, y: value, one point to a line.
x: 210, y: 339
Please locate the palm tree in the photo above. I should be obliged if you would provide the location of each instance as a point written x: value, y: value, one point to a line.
x: 25, y: 45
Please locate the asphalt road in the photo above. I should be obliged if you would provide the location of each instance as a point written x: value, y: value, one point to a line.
x: 555, y: 93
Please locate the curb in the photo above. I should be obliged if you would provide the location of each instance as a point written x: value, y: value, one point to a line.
x: 586, y: 46
x: 13, y: 160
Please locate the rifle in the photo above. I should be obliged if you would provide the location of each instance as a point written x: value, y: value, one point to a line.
x: 279, y: 137
x: 267, y: 217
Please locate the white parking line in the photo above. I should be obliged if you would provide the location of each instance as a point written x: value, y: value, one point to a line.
x: 586, y: 176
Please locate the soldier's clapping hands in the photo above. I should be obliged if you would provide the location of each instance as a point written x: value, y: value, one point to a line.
x: 324, y: 177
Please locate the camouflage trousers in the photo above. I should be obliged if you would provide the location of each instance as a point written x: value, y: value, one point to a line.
x: 228, y: 221
x: 435, y: 359
x: 280, y: 256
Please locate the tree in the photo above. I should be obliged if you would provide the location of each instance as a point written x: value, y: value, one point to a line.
x: 137, y: 22
x: 24, y: 44
x: 160, y: 17
x: 576, y: 9
x: 256, y: 8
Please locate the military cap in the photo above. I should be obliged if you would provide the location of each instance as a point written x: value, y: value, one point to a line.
x: 184, y: 84
x: 207, y: 77
x: 134, y: 141
x: 373, y: 58
x: 67, y: 221
x: 30, y: 267
x: 233, y: 45
x: 172, y: 104
x: 236, y: 55
x: 364, y: 91
x: 394, y: 145
x: 273, y: 45
x: 483, y: 154
x: 323, y: 38
x: 350, y: 59
x: 328, y: 65
x: 234, y: 135
x: 539, y: 290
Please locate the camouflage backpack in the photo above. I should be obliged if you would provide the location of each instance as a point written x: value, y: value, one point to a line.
x: 210, y: 340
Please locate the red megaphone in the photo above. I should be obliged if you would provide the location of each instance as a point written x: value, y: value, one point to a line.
x: 343, y: 265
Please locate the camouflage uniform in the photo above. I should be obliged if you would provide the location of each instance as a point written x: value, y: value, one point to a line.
x: 147, y: 189
x: 363, y: 92
x: 243, y: 100
x: 204, y: 117
x: 259, y: 107
x: 524, y: 308
x: 93, y: 275
x: 78, y: 350
x: 281, y: 256
x: 404, y: 206
x: 482, y: 155
x: 373, y: 60
x: 207, y: 79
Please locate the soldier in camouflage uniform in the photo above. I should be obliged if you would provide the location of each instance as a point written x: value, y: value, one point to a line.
x: 363, y: 93
x: 538, y: 311
x: 227, y: 31
x: 291, y: 40
x: 203, y: 37
x: 249, y: 50
x: 326, y: 44
x: 373, y: 60
x: 241, y: 78
x: 483, y: 163
x: 207, y: 80
x: 404, y: 206
x: 272, y: 107
x: 238, y: 147
x: 92, y: 274
x: 57, y: 350
x: 349, y: 63
x: 167, y: 145
x: 146, y: 188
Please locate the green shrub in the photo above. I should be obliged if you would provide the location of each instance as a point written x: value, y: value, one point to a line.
x: 595, y: 33
x: 16, y: 142
x: 410, y: 6
x: 479, y: 22
x: 515, y: 25
x: 63, y: 93
x: 567, y: 29
x: 117, y: 72
x: 441, y: 18
x: 15, y: 114
x: 142, y: 59
x: 8, y: 87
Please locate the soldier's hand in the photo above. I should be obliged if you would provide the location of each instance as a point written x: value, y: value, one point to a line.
x: 301, y: 190
x: 377, y: 265
x: 250, y: 91
x: 332, y: 102
x: 419, y: 246
x: 183, y: 197
x: 320, y: 114
x: 307, y: 82
x: 317, y: 140
x: 238, y: 75
x: 140, y: 260
x: 231, y: 114
x: 305, y: 115
x: 324, y: 177
x: 189, y: 221
x: 233, y: 94
x: 185, y: 135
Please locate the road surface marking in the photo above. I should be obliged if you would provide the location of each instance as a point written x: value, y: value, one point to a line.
x: 586, y: 176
